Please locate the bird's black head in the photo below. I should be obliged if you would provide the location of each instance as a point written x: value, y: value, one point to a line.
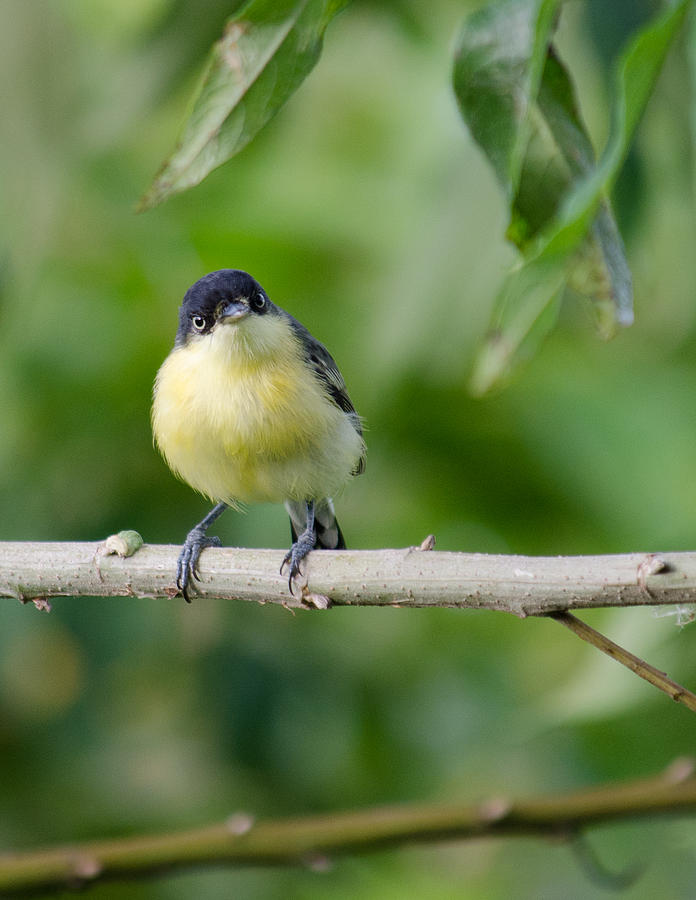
x: 228, y: 295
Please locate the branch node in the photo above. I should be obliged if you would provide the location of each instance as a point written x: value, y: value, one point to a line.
x: 679, y: 770
x: 43, y: 604
x: 317, y: 862
x: 240, y: 823
x: 84, y: 868
x: 651, y: 564
x: 428, y: 543
x: 123, y: 544
x: 314, y: 601
x: 494, y: 809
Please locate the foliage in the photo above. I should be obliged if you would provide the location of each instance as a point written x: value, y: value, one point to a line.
x: 366, y: 209
x: 264, y: 54
x: 519, y: 102
x: 560, y: 218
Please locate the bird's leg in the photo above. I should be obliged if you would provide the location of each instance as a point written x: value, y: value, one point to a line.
x: 196, y: 541
x: 306, y: 541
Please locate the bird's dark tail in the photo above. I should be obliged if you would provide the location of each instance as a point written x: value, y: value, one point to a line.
x: 329, y: 535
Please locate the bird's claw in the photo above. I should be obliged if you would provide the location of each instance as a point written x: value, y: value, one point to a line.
x: 294, y: 567
x: 187, y: 565
x: 299, y: 550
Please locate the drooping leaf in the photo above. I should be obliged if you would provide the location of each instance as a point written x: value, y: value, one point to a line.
x: 560, y: 218
x: 598, y: 270
x: 266, y: 51
x: 498, y: 68
x: 558, y: 151
x: 526, y: 310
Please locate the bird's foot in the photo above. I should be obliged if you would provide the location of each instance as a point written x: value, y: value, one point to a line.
x: 187, y: 565
x: 304, y: 544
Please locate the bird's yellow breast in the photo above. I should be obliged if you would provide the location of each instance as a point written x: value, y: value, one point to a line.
x: 239, y: 416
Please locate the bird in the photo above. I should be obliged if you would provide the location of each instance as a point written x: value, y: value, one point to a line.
x: 249, y: 407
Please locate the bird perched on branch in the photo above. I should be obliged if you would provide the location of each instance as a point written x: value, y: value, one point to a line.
x: 249, y: 407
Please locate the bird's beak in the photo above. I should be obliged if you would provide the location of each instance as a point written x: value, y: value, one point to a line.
x: 234, y: 311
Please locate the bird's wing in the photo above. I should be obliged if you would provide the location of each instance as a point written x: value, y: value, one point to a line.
x: 324, y: 367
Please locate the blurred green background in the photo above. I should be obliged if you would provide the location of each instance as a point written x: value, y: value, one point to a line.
x: 366, y: 211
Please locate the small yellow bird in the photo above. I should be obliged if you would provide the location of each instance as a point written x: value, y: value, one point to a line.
x: 249, y: 407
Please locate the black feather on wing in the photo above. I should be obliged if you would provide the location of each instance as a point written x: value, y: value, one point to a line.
x: 326, y: 370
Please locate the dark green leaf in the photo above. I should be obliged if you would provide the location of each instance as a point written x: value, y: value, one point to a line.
x: 557, y: 153
x: 598, y: 270
x: 498, y: 68
x: 560, y: 217
x: 266, y: 51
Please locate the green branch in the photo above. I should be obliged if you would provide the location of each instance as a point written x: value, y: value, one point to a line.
x: 242, y: 841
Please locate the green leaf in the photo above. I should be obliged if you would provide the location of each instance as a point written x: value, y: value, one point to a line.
x: 560, y: 218
x: 266, y: 51
x: 598, y: 270
x: 526, y: 310
x: 558, y: 151
x: 498, y: 68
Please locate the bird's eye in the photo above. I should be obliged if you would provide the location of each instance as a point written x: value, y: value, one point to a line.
x: 198, y: 322
x: 258, y: 301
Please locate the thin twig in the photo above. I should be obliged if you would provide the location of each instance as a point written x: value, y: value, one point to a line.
x: 634, y: 663
x: 305, y: 841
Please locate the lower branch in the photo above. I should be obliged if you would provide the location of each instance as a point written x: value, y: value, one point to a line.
x: 308, y: 841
